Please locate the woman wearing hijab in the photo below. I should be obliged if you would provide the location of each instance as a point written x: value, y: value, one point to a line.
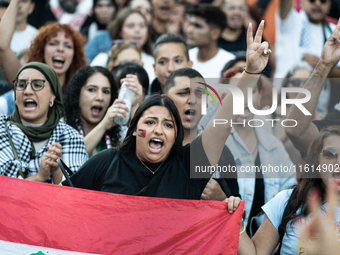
x: 34, y: 137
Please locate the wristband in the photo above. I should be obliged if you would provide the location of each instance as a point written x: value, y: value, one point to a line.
x: 250, y: 72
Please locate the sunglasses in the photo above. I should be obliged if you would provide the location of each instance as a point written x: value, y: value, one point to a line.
x: 36, y: 85
x: 330, y: 154
x: 242, y: 8
x: 321, y: 1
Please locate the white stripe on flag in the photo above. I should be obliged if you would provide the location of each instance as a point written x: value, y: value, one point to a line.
x: 10, y: 248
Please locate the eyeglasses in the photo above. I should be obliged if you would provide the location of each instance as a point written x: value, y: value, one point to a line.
x: 241, y: 8
x: 330, y: 154
x: 121, y: 41
x: 321, y: 1
x: 297, y: 82
x: 36, y: 84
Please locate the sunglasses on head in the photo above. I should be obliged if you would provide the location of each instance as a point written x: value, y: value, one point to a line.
x: 321, y: 1
x: 330, y: 153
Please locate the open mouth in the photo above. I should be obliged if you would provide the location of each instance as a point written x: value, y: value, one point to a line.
x: 155, y: 145
x: 164, y: 8
x: 30, y: 104
x: 58, y: 62
x: 317, y: 11
x: 190, y: 114
x: 96, y: 110
x: 336, y: 176
x: 236, y: 18
x: 246, y: 113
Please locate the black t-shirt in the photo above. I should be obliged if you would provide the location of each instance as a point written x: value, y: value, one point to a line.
x: 237, y: 47
x: 116, y: 171
x: 230, y: 185
x: 156, y: 87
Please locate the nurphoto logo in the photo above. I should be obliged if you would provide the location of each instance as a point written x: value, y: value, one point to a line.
x: 239, y: 103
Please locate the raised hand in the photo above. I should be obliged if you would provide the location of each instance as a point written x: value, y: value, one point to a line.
x: 117, y: 109
x: 257, y: 52
x: 331, y: 51
x: 318, y: 234
x: 131, y: 81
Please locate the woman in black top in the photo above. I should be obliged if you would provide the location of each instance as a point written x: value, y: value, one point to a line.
x: 151, y: 161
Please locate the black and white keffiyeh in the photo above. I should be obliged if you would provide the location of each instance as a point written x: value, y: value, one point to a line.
x: 74, y: 153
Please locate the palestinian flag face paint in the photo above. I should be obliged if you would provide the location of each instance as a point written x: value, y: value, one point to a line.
x: 142, y: 133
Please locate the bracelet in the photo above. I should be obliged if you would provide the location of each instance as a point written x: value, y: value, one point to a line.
x: 250, y: 72
x: 243, y: 227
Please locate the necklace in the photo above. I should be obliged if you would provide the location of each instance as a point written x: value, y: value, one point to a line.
x: 153, y: 172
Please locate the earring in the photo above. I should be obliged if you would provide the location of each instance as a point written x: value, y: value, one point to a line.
x: 51, y: 103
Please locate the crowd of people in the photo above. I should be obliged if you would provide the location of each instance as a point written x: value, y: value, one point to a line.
x: 71, y: 71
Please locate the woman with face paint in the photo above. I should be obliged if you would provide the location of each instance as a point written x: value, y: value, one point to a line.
x: 34, y: 137
x: 152, y: 161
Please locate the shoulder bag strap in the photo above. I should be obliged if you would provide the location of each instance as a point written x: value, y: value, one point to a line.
x: 15, y: 153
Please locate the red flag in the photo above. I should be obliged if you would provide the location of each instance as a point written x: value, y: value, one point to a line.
x: 68, y: 219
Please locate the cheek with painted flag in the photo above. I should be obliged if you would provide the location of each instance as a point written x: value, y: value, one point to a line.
x: 142, y: 133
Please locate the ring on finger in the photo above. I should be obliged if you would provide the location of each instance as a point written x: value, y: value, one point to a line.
x: 114, y: 109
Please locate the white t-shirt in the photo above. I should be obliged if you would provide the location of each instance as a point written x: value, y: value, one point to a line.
x: 274, y: 209
x: 21, y: 40
x: 213, y: 67
x: 102, y: 58
x: 290, y: 37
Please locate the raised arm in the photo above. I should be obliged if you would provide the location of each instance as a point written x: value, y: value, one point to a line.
x: 284, y: 8
x: 92, y: 139
x: 214, y: 138
x: 9, y: 62
x: 304, y: 133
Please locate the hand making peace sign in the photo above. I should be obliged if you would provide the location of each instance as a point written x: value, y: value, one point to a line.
x: 257, y: 52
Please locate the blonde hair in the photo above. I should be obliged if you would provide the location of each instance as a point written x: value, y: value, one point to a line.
x: 116, y: 49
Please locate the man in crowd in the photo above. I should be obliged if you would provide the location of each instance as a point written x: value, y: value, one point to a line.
x: 24, y: 32
x: 206, y: 23
x: 301, y: 35
x: 183, y: 88
x: 304, y: 133
x: 170, y: 53
x: 162, y: 10
x: 72, y: 12
x: 234, y: 36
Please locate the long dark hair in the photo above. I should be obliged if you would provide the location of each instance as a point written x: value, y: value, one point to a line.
x: 308, y: 180
x: 129, y: 144
x: 72, y: 109
x: 115, y: 26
